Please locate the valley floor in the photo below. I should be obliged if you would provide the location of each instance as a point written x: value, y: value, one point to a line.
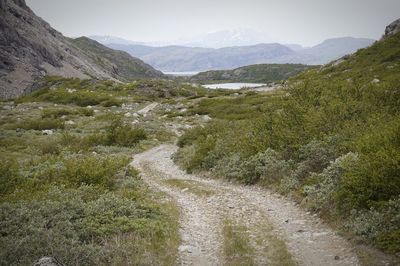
x: 224, y: 223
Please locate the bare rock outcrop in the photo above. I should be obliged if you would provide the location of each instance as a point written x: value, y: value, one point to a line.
x: 393, y: 28
x: 48, y: 261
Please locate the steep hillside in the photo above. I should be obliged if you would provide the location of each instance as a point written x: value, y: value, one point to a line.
x: 120, y: 64
x: 30, y: 49
x: 262, y: 73
x: 330, y: 139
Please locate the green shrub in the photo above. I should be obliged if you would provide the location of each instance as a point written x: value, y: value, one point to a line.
x: 41, y: 124
x: 380, y: 224
x: 9, y: 175
x: 82, y: 227
x: 49, y: 145
x: 376, y: 177
x: 266, y: 167
x: 78, y: 96
x: 124, y: 135
x: 326, y: 184
x: 73, y: 170
x: 57, y: 113
x: 228, y: 167
x: 111, y: 102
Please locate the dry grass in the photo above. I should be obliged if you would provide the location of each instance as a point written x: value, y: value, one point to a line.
x: 237, y: 247
x: 190, y: 186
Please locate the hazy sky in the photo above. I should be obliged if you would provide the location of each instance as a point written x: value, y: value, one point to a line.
x: 306, y: 22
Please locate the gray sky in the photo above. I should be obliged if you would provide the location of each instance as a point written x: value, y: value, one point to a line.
x: 306, y: 22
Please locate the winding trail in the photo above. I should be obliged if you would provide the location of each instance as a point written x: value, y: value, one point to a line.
x: 275, y: 226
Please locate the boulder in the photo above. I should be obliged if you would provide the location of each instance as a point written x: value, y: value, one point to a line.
x: 47, y: 132
x: 48, y: 261
x: 392, y: 28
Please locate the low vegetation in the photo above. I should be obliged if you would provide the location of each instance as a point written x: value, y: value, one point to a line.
x: 237, y: 248
x: 67, y: 188
x: 330, y: 139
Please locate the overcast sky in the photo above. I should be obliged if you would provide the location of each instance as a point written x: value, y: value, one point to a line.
x: 306, y: 22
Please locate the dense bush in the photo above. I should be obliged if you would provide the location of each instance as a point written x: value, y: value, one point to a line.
x: 81, y: 227
x: 75, y: 169
x: 57, y: 113
x: 266, y: 167
x: 326, y: 184
x: 335, y: 136
x: 380, y: 224
x: 41, y: 124
x: 78, y: 96
x: 9, y: 175
x: 124, y: 135
x: 376, y: 177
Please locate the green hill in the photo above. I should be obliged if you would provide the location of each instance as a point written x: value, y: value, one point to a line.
x: 262, y: 73
x: 331, y: 139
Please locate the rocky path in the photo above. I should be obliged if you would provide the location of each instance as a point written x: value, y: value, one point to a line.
x: 147, y: 109
x: 279, y: 232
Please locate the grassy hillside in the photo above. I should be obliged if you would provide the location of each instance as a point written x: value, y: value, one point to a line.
x: 67, y: 187
x: 331, y: 139
x: 122, y: 66
x: 262, y: 73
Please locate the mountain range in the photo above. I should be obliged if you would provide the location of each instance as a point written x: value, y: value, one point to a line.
x: 184, y: 58
x: 31, y: 49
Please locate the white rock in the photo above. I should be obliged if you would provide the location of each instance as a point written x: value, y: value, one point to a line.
x: 47, y: 132
x: 375, y: 81
x: 69, y: 122
x: 128, y: 114
x: 206, y: 118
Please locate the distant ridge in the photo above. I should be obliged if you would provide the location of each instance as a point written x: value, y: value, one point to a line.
x: 183, y: 58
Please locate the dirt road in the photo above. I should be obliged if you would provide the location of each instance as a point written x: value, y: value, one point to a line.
x: 276, y: 230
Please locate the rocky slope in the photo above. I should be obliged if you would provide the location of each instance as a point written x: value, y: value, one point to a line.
x: 30, y: 49
x: 122, y: 66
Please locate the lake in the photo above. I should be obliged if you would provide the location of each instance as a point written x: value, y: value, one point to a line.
x: 233, y: 86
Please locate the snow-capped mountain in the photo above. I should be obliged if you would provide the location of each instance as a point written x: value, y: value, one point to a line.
x: 227, y: 38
